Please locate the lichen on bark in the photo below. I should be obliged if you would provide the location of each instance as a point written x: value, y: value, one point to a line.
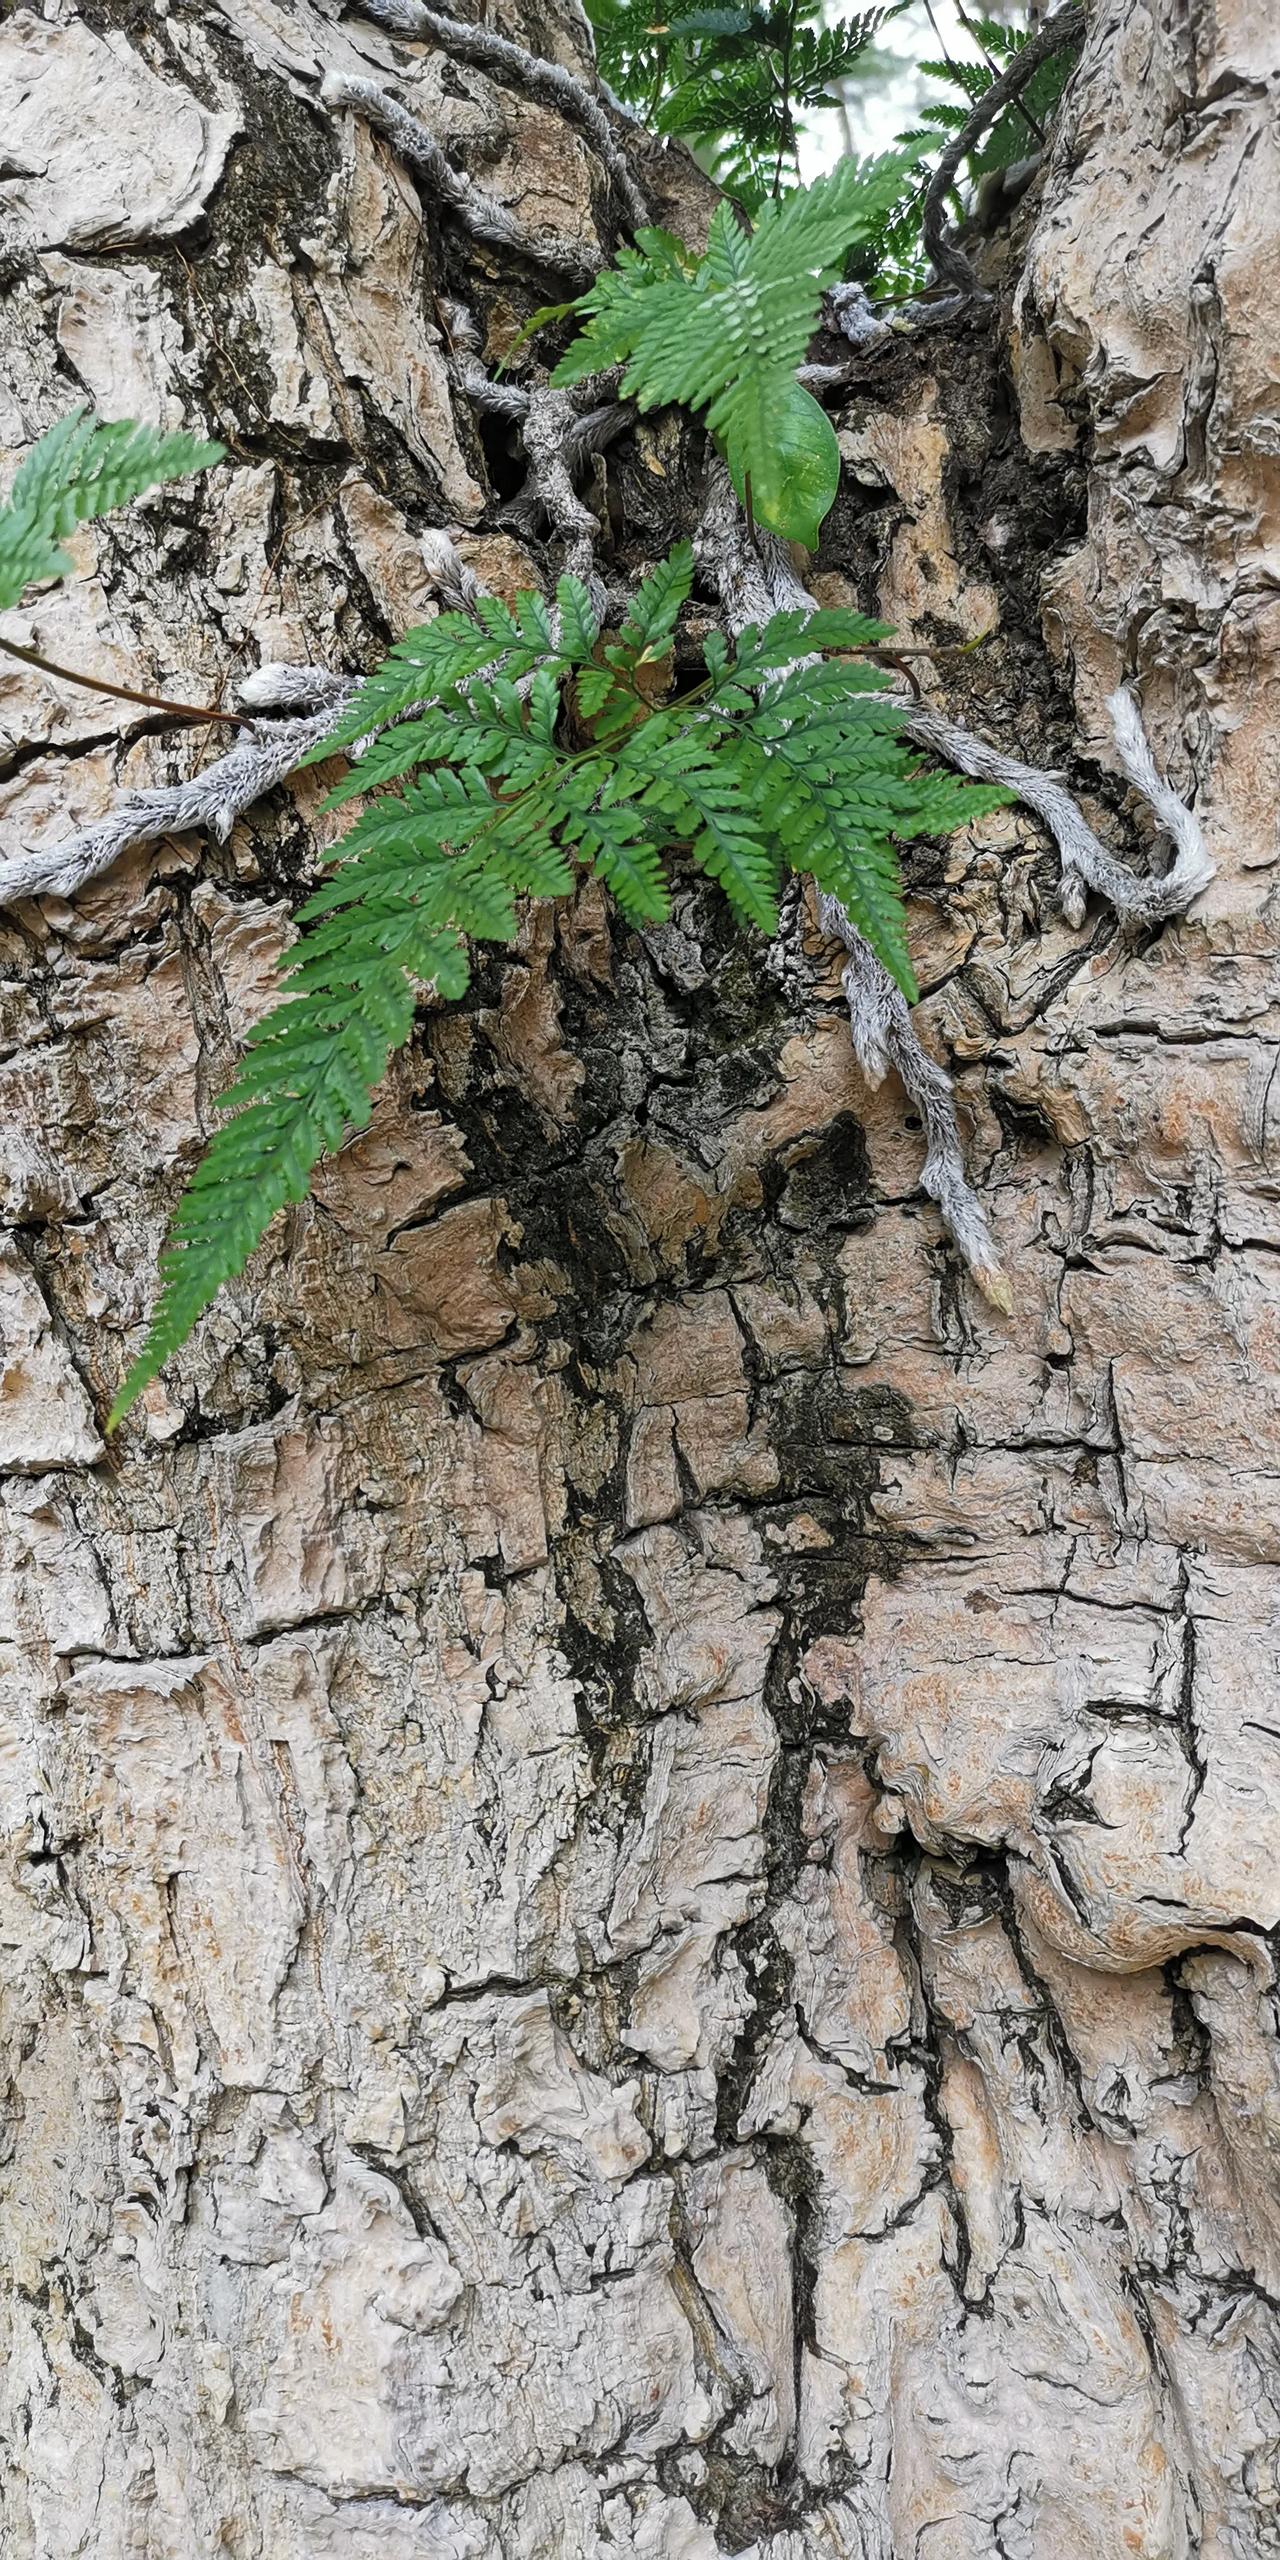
x: 640, y: 1852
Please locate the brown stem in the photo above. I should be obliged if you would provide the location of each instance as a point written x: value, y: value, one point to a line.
x: 122, y: 692
x: 992, y: 66
x: 898, y: 661
x: 948, y: 262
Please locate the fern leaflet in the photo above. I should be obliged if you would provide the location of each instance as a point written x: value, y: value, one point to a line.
x: 82, y: 468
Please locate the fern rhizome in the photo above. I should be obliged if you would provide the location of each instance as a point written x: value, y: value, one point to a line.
x: 529, y: 749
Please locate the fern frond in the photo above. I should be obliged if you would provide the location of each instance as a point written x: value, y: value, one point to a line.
x: 730, y: 830
x: 396, y: 916
x: 307, y: 1079
x: 729, y: 97
x: 595, y: 686
x: 793, y: 635
x: 944, y: 118
x: 727, y: 340
x: 619, y: 841
x: 812, y: 230
x: 655, y: 609
x: 436, y: 659
x: 579, y: 623
x: 821, y: 56
x: 735, y: 80
x: 83, y: 468
x: 841, y: 787
x: 832, y: 823
x: 973, y: 79
x: 783, y: 756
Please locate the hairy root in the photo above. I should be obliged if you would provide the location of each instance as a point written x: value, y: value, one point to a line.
x: 549, y: 82
x: 309, y: 698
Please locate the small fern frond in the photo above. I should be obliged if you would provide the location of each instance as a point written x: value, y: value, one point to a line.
x: 654, y: 610
x: 726, y: 341
x: 973, y: 79
x: 793, y: 635
x: 434, y: 661
x: 619, y: 841
x: 578, y: 621
x: 841, y: 787
x: 82, y: 468
x: 306, y: 1080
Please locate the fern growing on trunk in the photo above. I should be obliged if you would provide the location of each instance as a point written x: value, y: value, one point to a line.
x: 527, y: 749
x: 724, y: 334
x: 740, y: 81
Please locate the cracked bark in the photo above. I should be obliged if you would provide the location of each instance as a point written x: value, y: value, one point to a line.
x: 640, y: 1843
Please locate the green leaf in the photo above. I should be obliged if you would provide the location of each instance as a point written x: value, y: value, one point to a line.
x: 306, y: 1079
x: 427, y: 662
x: 490, y: 612
x: 595, y: 686
x: 834, y: 824
x: 701, y: 793
x: 798, y: 634
x: 544, y: 706
x: 943, y: 803
x: 540, y: 319
x: 731, y: 851
x: 616, y: 839
x: 785, y: 455
x: 728, y: 339
x: 534, y: 620
x: 786, y: 756
x: 83, y: 468
x: 734, y: 80
x: 655, y: 608
x: 579, y: 621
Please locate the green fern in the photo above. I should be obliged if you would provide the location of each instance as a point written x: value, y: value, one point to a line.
x: 738, y: 82
x: 1019, y: 127
x: 82, y: 468
x: 782, y: 757
x: 892, y: 262
x: 725, y: 335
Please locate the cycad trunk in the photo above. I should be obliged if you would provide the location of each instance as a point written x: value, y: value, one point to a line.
x: 641, y: 1842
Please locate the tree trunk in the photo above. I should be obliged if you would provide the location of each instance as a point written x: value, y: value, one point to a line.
x: 641, y: 1840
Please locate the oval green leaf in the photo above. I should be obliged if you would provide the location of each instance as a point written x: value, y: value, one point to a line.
x: 794, y: 466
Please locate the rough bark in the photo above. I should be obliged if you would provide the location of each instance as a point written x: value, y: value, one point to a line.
x: 641, y: 1842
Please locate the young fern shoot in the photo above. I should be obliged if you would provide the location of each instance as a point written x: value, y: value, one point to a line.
x: 527, y: 748
x: 725, y: 333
